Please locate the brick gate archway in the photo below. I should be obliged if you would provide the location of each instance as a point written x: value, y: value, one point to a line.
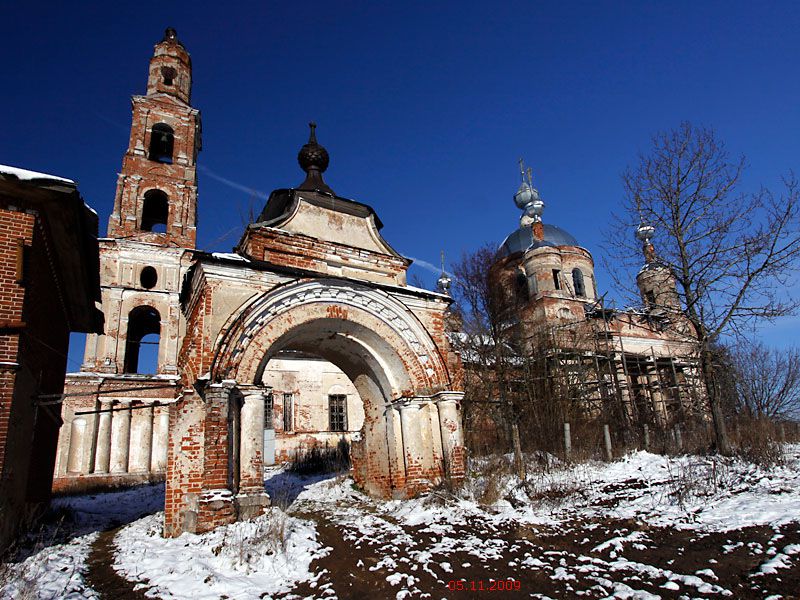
x: 411, y: 436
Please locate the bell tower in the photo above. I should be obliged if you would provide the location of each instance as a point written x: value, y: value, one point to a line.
x: 156, y: 198
x: 116, y: 413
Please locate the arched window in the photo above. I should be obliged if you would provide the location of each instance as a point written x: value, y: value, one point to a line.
x: 577, y: 282
x: 168, y: 74
x: 155, y: 210
x: 162, y: 141
x: 141, y: 348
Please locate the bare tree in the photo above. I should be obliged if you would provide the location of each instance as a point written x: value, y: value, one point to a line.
x: 767, y: 381
x: 487, y: 338
x: 732, y: 254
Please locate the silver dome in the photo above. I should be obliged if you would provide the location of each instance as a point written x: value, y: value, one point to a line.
x: 523, y: 196
x: 645, y: 232
x: 522, y: 239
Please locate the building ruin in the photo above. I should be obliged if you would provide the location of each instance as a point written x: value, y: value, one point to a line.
x: 306, y: 334
x: 636, y: 368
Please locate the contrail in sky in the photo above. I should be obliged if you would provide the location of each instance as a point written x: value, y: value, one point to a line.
x: 233, y: 184
x: 426, y: 265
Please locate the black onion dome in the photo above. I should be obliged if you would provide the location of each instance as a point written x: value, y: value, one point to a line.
x: 314, y: 160
x: 312, y: 155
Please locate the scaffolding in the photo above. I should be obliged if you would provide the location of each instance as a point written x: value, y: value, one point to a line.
x: 582, y: 372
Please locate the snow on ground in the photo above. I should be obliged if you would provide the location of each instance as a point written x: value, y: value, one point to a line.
x: 708, y: 493
x: 251, y: 559
x: 51, y: 561
x: 442, y: 538
x: 53, y: 572
x: 645, y: 526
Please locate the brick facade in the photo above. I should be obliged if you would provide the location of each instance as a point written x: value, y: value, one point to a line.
x: 48, y: 286
x: 312, y: 275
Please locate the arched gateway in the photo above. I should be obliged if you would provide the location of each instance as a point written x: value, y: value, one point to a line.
x: 312, y: 276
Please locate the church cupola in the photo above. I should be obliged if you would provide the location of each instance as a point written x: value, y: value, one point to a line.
x: 541, y: 260
x: 314, y: 160
x: 655, y: 279
x: 444, y: 282
x: 170, y: 68
x: 527, y: 199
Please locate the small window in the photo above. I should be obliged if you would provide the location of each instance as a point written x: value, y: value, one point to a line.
x: 288, y: 422
x: 337, y: 408
x: 148, y: 278
x: 557, y: 279
x: 155, y: 211
x: 577, y: 281
x: 651, y: 297
x: 521, y: 287
x: 23, y: 258
x: 162, y: 141
x: 268, y: 405
x: 532, y: 285
x: 168, y: 75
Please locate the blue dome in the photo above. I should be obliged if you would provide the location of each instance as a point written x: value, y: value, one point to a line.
x: 522, y: 239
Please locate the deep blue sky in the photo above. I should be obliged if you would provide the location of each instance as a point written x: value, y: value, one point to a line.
x: 425, y: 108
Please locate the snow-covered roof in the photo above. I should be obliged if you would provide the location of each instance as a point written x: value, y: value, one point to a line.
x: 230, y: 256
x: 25, y: 175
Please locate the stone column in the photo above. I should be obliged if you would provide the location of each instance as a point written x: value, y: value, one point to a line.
x: 251, y: 454
x: 452, y: 435
x: 102, y: 455
x: 77, y: 433
x: 433, y: 427
x: 251, y: 499
x: 158, y: 453
x: 394, y: 436
x: 120, y: 438
x: 413, y: 448
x: 141, y: 448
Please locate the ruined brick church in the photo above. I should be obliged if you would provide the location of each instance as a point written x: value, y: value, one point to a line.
x: 636, y: 368
x: 306, y: 334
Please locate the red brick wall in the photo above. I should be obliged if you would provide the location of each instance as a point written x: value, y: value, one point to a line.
x: 184, y: 461
x: 14, y: 226
x: 35, y: 334
x: 195, y: 356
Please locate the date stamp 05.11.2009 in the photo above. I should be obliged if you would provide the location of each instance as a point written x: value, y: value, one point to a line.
x: 478, y: 585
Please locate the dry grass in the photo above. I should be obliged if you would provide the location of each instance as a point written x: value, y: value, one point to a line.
x: 322, y: 459
x: 246, y: 547
x: 757, y: 441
